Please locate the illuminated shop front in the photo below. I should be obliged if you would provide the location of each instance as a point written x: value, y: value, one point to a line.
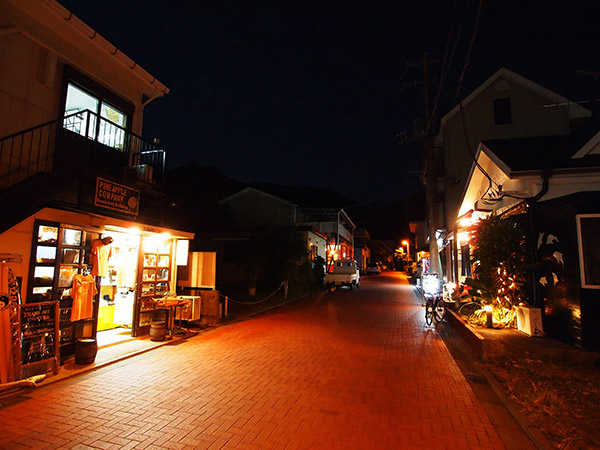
x: 338, y: 251
x: 463, y: 237
x: 102, y: 273
x: 335, y: 252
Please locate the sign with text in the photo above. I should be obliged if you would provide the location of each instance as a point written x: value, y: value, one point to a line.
x: 39, y: 332
x: 117, y: 197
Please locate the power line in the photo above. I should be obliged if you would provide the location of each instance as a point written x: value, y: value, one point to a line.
x: 491, y: 182
x: 468, y: 57
x: 447, y: 61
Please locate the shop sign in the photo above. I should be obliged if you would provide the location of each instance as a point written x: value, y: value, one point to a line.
x: 39, y: 332
x: 117, y: 197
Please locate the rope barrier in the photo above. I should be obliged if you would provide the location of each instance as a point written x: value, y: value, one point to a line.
x: 283, y: 284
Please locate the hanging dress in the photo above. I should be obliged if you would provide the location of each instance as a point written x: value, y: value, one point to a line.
x: 101, y: 253
x: 83, y: 292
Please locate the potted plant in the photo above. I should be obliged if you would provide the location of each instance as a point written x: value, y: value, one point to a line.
x: 501, y: 262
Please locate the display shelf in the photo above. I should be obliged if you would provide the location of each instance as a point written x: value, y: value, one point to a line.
x: 44, y: 250
x: 153, y: 278
x: 59, y: 252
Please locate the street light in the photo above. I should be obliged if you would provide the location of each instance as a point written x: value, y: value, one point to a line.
x: 405, y: 242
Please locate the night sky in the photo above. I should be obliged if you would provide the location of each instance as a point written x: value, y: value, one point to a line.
x: 315, y: 93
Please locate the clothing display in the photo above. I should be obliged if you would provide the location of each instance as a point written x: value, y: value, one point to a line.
x: 118, y: 287
x: 125, y: 262
x: 101, y: 252
x: 83, y: 292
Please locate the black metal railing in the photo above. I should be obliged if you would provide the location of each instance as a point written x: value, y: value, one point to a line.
x: 26, y: 153
x: 150, y: 165
x: 83, y: 137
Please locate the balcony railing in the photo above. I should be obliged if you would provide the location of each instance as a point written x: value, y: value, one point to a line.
x: 81, y: 138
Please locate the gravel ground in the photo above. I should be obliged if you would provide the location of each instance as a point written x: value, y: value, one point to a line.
x: 556, y: 388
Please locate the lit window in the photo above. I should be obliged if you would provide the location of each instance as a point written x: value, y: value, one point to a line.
x: 78, y: 100
x: 109, y: 131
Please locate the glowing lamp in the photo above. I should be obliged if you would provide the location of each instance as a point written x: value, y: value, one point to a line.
x: 463, y: 237
x: 488, y: 316
x: 134, y: 230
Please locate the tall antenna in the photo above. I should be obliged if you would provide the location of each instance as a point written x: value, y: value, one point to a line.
x: 595, y: 75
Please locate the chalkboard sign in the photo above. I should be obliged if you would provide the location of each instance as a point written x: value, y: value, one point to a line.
x: 39, y: 333
x: 589, y: 249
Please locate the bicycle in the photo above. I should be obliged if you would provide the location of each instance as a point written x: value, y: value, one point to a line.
x: 435, y: 309
x: 468, y: 308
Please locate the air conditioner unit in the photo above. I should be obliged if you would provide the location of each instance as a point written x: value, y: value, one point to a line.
x: 529, y: 320
x: 192, y: 310
x: 144, y: 172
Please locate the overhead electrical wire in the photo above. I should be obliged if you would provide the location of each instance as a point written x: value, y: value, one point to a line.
x: 491, y: 182
x: 447, y: 62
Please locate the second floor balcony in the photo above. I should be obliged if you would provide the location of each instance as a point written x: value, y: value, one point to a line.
x: 82, y: 139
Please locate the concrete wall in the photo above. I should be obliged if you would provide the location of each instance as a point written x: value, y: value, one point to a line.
x: 29, y: 84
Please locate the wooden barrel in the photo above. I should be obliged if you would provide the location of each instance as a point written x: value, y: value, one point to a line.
x: 157, y: 330
x: 85, y: 350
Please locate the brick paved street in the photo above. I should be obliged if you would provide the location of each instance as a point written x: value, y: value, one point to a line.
x: 340, y: 370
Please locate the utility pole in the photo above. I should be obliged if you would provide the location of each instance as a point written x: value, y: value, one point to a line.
x: 426, y: 82
x: 430, y: 166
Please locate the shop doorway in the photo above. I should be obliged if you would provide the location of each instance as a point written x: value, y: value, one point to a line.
x: 118, y: 290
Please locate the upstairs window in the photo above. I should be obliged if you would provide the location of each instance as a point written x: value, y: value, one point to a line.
x: 104, y: 123
x: 502, y: 111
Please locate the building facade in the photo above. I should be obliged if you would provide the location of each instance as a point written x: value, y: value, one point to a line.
x: 87, y: 240
x: 555, y: 193
x: 505, y: 106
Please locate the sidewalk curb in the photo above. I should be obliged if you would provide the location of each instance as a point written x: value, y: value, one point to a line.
x: 536, y: 437
x: 476, y: 344
x: 50, y: 380
x: 475, y: 341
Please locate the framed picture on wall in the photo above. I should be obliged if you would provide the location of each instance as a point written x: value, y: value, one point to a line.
x: 589, y: 248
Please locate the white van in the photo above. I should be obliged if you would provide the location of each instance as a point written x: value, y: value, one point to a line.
x: 344, y: 272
